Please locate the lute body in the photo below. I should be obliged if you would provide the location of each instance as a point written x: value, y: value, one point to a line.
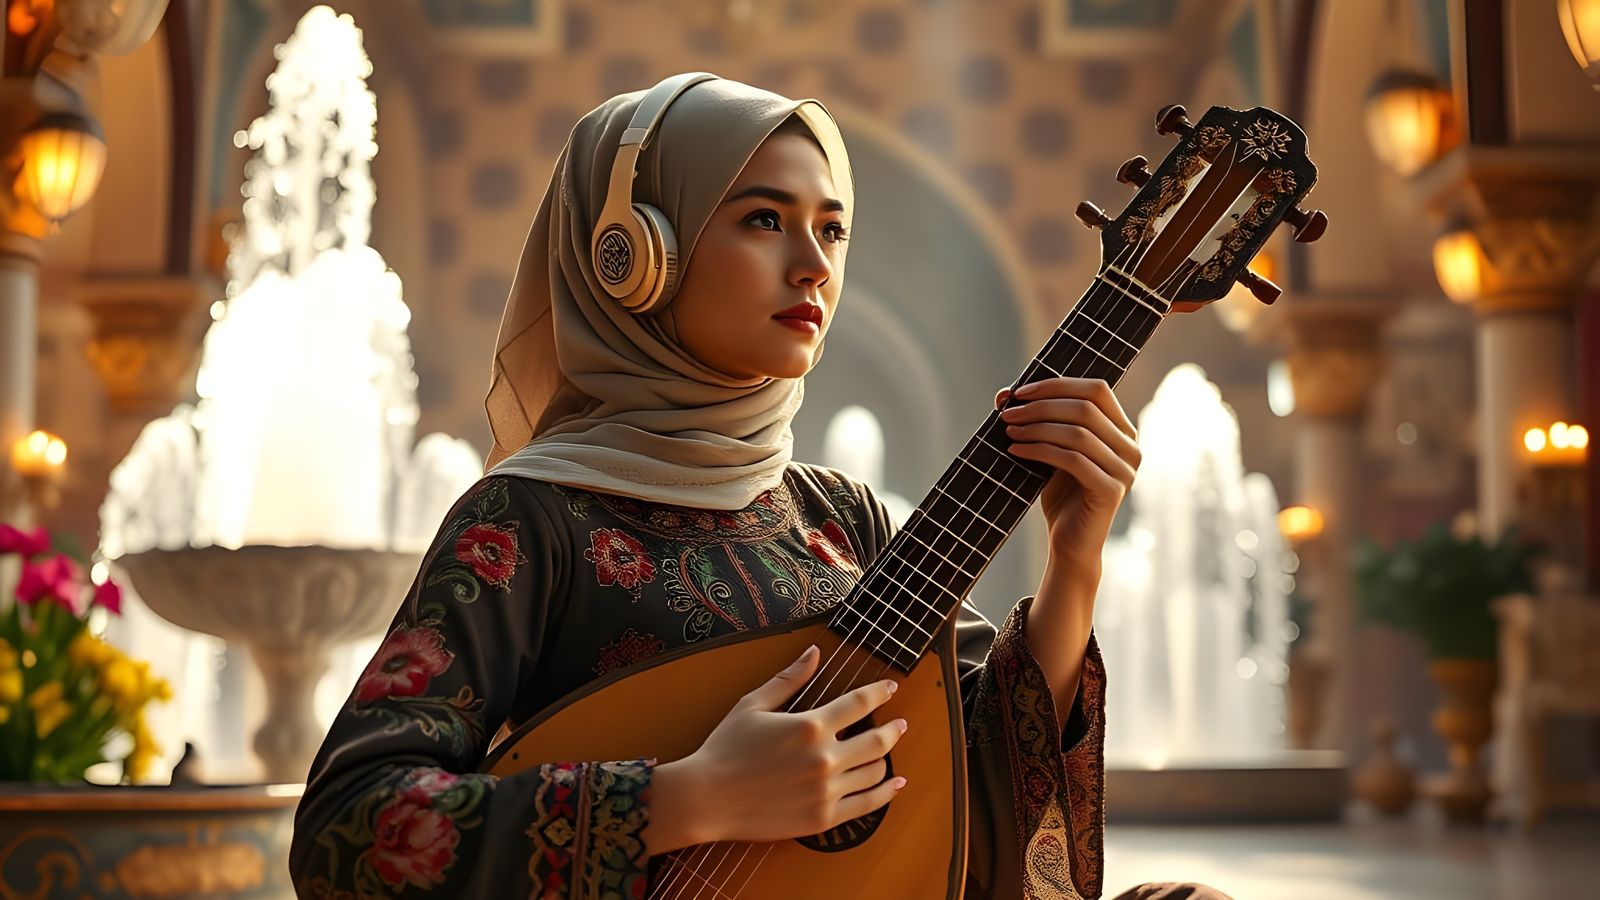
x: 1183, y: 241
x: 915, y: 847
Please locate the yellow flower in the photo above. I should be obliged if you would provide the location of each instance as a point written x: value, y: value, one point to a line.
x: 88, y: 651
x: 47, y: 718
x: 10, y: 686
x: 45, y: 694
x: 5, y: 714
x: 120, y: 680
x: 8, y: 656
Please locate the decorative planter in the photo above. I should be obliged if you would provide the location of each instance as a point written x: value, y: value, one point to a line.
x: 88, y: 841
x: 1465, y: 720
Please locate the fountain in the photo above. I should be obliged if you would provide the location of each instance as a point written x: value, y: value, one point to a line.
x: 1193, y: 621
x: 287, y: 509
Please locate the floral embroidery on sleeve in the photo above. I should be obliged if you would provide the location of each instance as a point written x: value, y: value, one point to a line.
x: 484, y: 552
x: 410, y: 832
x: 620, y: 559
x: 395, y: 685
x: 403, y: 666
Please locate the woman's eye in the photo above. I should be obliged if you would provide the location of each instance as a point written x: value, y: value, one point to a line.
x: 835, y: 232
x: 764, y: 218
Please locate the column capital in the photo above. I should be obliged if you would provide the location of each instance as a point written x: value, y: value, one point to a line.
x: 1334, y: 351
x: 1531, y: 208
x: 146, y: 336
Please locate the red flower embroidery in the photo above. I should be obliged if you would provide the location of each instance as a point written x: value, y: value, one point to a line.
x: 403, y: 666
x: 619, y: 558
x: 412, y: 844
x: 428, y: 783
x: 831, y: 545
x: 491, y: 551
x: 631, y: 648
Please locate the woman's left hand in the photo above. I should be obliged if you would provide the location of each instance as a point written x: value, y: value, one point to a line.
x: 1076, y: 426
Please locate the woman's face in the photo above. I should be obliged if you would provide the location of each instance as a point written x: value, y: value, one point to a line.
x: 760, y: 290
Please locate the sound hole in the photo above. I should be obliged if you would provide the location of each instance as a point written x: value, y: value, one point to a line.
x: 855, y: 832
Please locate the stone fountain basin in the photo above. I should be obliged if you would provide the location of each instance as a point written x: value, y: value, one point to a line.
x: 291, y: 606
x: 274, y: 598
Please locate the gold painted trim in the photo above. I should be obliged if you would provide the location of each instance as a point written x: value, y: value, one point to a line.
x: 155, y: 799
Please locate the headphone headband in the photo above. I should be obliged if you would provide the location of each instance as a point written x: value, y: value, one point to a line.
x: 635, y: 253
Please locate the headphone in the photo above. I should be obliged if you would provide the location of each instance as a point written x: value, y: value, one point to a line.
x: 634, y: 250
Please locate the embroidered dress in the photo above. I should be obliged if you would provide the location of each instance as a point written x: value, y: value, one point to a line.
x: 531, y: 590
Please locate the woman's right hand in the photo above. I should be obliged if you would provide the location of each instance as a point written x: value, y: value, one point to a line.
x: 767, y: 775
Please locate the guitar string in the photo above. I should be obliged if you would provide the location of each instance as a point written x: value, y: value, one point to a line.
x: 692, y: 868
x: 924, y: 554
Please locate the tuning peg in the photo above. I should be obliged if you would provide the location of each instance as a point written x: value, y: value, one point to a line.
x: 1172, y: 119
x: 1264, y: 290
x: 1308, y: 226
x: 1135, y: 171
x: 1092, y: 216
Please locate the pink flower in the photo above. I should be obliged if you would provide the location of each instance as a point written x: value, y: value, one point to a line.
x: 403, y: 666
x: 27, y: 543
x: 412, y: 844
x: 109, y: 595
x: 491, y: 552
x: 55, y: 579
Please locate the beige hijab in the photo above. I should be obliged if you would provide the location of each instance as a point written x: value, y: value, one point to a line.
x: 585, y: 393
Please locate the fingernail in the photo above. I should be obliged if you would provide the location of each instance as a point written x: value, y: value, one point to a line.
x: 899, y: 783
x: 893, y: 686
x: 902, y: 724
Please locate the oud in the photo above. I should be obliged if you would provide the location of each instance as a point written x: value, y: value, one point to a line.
x: 1182, y: 242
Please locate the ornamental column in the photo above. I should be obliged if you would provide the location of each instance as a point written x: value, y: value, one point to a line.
x: 1335, y: 359
x: 1529, y: 211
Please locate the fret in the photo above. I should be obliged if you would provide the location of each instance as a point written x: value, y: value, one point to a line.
x: 1085, y: 344
x: 968, y: 463
x: 974, y: 517
x: 871, y: 623
x: 1081, y: 314
x: 980, y: 514
x: 911, y: 532
x: 958, y: 537
x: 883, y: 573
x: 909, y: 566
x: 1086, y: 330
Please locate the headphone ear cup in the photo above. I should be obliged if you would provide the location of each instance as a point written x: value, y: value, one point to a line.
x: 660, y: 255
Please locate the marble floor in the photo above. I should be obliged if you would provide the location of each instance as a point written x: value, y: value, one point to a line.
x: 1410, y: 860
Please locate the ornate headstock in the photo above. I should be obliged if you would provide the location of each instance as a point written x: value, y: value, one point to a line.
x: 1200, y: 218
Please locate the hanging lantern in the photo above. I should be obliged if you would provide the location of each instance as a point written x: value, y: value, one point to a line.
x: 1580, y: 23
x: 63, y: 156
x: 1410, y: 119
x: 1459, y: 264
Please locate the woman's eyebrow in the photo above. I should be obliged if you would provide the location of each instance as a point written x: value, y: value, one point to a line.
x: 778, y: 195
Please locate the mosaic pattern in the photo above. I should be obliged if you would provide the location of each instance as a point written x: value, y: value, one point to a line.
x: 1003, y: 120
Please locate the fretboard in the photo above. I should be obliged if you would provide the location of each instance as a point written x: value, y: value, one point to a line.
x: 919, y: 580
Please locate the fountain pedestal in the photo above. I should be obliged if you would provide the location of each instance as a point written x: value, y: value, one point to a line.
x: 291, y: 606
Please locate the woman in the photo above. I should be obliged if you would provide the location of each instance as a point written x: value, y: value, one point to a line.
x: 643, y: 497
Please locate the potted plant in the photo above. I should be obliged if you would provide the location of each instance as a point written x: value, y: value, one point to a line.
x: 68, y: 699
x: 1440, y: 587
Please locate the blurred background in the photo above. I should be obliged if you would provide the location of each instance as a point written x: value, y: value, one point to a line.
x: 254, y: 249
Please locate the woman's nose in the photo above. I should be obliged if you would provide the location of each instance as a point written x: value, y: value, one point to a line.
x: 810, y: 264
